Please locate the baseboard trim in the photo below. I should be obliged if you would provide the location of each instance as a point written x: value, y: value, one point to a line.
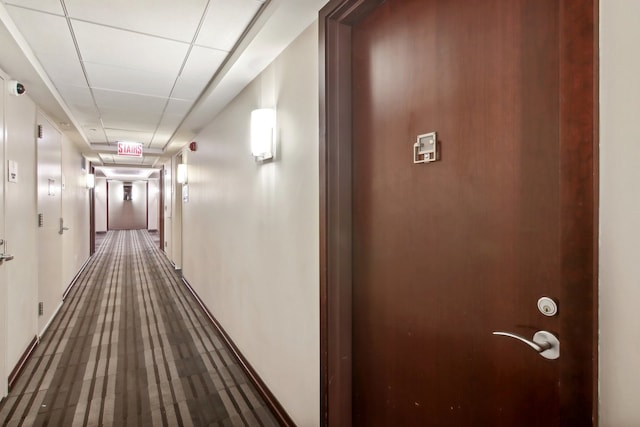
x: 276, y: 408
x: 75, y: 278
x: 17, y: 370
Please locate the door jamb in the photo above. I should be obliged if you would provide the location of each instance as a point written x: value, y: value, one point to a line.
x: 92, y: 214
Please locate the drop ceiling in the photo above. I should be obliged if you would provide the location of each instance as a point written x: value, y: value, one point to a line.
x: 148, y: 71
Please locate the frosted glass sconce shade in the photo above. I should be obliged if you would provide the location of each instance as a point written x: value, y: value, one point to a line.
x: 263, y: 130
x: 90, y: 180
x: 182, y: 173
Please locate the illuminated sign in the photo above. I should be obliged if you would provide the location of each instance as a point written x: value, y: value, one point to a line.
x: 129, y: 149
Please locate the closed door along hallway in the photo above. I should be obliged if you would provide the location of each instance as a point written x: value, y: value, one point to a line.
x: 131, y: 346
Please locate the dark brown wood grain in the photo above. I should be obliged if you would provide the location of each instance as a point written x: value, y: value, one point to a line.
x: 161, y: 208
x: 92, y: 215
x: 578, y: 209
x: 420, y: 263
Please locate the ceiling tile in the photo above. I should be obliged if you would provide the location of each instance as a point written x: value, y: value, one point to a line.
x: 109, y: 46
x: 137, y: 122
x: 226, y: 20
x: 77, y: 97
x: 129, y: 80
x: 62, y: 71
x: 106, y: 158
x: 200, y: 67
x: 128, y: 102
x: 116, y: 135
x: 128, y: 160
x: 202, y: 63
x: 45, y: 32
x: 160, y: 138
x: 143, y: 122
x: 157, y: 17
x: 178, y: 107
x: 94, y: 134
x: 43, y: 5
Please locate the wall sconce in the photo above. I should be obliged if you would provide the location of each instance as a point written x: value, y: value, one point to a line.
x: 182, y: 173
x: 90, y: 180
x: 263, y: 131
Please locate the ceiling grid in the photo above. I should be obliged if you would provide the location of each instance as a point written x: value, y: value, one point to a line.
x: 148, y: 71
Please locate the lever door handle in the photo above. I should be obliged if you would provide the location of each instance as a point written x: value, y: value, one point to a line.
x: 544, y: 343
x: 5, y: 257
x: 62, y: 227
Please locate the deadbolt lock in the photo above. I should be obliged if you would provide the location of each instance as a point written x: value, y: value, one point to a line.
x: 547, y: 306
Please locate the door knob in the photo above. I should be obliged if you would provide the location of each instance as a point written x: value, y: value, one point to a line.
x: 544, y: 343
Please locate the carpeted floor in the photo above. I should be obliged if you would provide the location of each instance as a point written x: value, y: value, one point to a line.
x: 131, y: 347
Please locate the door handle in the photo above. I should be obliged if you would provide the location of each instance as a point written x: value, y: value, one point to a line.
x: 62, y: 227
x: 4, y: 257
x: 544, y: 343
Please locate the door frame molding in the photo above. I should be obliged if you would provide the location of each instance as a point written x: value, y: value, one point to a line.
x: 578, y: 208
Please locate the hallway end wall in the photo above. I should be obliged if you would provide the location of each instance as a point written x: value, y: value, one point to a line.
x: 250, y: 230
x: 127, y: 214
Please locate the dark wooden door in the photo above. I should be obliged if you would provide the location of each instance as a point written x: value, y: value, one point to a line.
x: 445, y: 253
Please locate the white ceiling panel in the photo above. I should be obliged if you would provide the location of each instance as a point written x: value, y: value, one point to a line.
x: 169, y: 123
x: 139, y: 83
x: 160, y: 138
x: 166, y: 128
x: 129, y: 79
x: 116, y: 135
x: 128, y: 102
x: 178, y: 107
x: 187, y: 89
x: 77, y: 97
x: 108, y: 46
x: 95, y: 134
x: 226, y: 20
x: 157, y: 17
x: 201, y: 65
x: 44, y: 5
x: 142, y: 122
x: 62, y: 72
x: 45, y: 32
x: 114, y: 159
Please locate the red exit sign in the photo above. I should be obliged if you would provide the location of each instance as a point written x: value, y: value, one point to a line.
x: 129, y: 149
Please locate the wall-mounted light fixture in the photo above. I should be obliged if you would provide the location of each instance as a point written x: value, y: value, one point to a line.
x: 263, y: 132
x: 90, y: 180
x: 182, y: 173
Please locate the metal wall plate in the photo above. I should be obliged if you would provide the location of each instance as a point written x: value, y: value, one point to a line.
x: 425, y: 150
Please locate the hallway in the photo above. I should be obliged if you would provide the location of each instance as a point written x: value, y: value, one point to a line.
x: 131, y: 346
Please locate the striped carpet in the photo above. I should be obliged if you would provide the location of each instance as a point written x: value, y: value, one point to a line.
x: 131, y: 347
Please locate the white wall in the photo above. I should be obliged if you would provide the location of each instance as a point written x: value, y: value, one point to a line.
x: 619, y: 213
x: 251, y: 230
x: 75, y: 211
x: 100, y: 206
x: 20, y: 229
x: 127, y: 215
